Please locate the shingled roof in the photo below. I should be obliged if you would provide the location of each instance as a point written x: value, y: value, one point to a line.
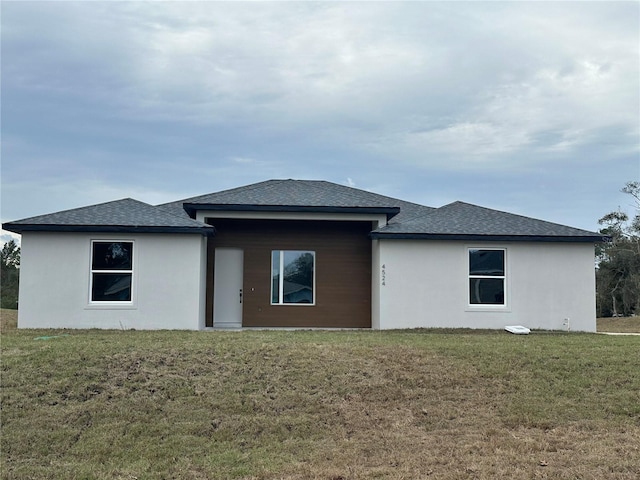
x: 464, y: 221
x: 406, y: 220
x: 126, y: 215
x: 298, y: 196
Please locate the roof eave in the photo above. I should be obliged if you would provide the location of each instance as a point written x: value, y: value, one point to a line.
x: 192, y: 208
x: 20, y: 228
x: 489, y: 238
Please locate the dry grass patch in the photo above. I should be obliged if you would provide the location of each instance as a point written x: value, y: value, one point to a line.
x: 619, y: 324
x: 8, y: 320
x: 319, y: 405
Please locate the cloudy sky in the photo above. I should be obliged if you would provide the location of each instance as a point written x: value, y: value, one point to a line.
x: 526, y: 107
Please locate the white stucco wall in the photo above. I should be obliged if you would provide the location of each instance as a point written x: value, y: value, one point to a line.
x: 426, y: 285
x: 169, y: 282
x: 376, y: 284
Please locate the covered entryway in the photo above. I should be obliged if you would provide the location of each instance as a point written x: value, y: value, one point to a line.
x: 333, y: 290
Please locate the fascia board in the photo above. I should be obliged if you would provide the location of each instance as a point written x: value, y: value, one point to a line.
x: 192, y: 208
x: 489, y: 238
x: 20, y: 228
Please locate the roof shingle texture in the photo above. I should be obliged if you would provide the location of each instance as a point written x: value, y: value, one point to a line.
x: 460, y: 218
x: 301, y: 193
x: 125, y: 212
x: 456, y: 219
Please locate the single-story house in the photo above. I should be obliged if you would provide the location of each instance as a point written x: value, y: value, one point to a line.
x: 296, y: 253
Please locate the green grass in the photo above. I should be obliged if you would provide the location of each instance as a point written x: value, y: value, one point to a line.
x: 317, y: 404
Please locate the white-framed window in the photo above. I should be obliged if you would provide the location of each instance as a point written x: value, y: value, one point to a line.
x: 487, y: 276
x: 111, y: 272
x: 293, y: 277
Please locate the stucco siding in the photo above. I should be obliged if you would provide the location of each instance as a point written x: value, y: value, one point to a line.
x: 426, y: 284
x: 376, y: 284
x: 168, y: 279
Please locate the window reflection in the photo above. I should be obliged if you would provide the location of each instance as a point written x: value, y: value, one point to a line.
x: 486, y: 276
x: 111, y: 271
x: 292, y: 277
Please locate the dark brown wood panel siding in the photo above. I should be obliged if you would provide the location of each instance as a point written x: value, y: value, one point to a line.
x: 210, y: 265
x: 342, y: 267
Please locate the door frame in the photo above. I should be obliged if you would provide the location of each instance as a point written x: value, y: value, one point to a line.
x: 228, y: 287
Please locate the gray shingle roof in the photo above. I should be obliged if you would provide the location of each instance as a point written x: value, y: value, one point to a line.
x: 297, y: 195
x: 464, y: 220
x: 127, y: 215
x: 457, y: 220
x: 295, y: 192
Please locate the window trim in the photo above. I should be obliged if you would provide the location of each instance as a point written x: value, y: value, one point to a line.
x: 281, y: 280
x: 112, y: 303
x: 501, y: 307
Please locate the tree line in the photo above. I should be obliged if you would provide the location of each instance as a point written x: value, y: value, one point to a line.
x: 618, y: 261
x: 9, y: 275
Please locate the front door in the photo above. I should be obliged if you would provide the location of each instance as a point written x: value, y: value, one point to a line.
x: 227, y: 286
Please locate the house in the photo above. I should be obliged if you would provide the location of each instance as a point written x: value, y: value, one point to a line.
x: 295, y: 253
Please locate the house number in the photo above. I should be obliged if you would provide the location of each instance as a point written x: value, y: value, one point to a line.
x: 384, y: 275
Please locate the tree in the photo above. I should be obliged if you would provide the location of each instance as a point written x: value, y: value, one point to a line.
x: 618, y: 270
x: 9, y: 275
x: 300, y: 271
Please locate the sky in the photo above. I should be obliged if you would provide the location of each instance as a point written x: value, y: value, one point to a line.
x: 526, y: 107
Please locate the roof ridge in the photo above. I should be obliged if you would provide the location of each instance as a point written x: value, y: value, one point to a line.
x: 419, y: 214
x: 251, y: 186
x: 494, y: 210
x: 75, y: 209
x: 352, y: 193
x: 167, y: 211
x: 349, y: 191
x: 127, y: 214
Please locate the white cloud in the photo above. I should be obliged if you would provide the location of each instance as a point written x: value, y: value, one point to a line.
x: 485, y: 79
x: 6, y: 237
x: 188, y: 97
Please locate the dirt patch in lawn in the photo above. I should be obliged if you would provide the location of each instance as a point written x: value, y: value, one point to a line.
x: 319, y: 405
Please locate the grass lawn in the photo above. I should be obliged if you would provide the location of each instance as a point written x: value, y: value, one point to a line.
x: 316, y: 404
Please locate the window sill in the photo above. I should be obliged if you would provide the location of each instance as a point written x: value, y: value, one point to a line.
x: 293, y: 304
x: 111, y: 306
x: 488, y: 308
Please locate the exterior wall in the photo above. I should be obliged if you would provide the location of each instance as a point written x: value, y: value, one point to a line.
x: 168, y: 282
x: 376, y: 284
x: 359, y: 283
x: 342, y: 271
x: 426, y: 285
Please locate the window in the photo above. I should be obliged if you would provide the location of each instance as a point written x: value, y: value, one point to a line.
x: 292, y: 277
x: 111, y: 271
x: 486, y: 276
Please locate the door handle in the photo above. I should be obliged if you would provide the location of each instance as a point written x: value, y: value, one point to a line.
x: 240, y: 295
